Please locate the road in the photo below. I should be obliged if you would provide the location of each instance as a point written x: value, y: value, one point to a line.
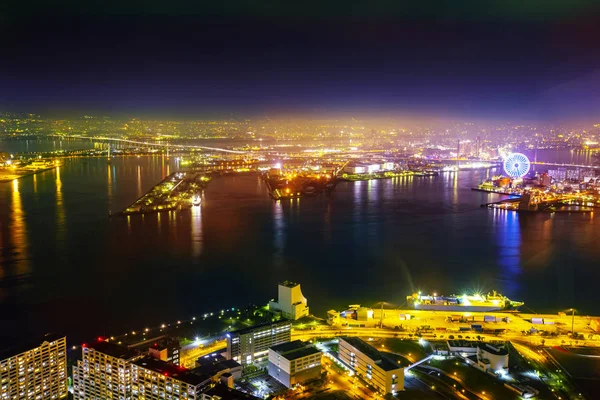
x: 190, y: 353
x: 103, y: 138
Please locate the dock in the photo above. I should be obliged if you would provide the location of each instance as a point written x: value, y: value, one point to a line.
x: 9, y: 174
x: 175, y: 192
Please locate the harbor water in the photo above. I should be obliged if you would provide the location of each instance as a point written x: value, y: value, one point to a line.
x: 66, y: 266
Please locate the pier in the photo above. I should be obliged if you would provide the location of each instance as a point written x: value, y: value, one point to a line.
x: 176, y: 192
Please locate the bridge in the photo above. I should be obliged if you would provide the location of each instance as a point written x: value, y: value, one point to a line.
x: 167, y: 145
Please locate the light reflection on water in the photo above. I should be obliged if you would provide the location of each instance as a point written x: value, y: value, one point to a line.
x: 369, y: 241
x: 197, y: 234
x: 509, y: 248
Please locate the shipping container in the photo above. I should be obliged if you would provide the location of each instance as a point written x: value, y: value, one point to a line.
x: 537, y: 320
x: 489, y: 318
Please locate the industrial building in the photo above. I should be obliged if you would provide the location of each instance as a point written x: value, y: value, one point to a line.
x: 36, y: 371
x: 492, y: 359
x: 294, y: 362
x: 249, y: 344
x: 290, y: 301
x: 487, y: 357
x: 371, y: 365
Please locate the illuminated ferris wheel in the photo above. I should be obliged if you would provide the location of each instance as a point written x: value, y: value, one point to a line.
x: 516, y: 165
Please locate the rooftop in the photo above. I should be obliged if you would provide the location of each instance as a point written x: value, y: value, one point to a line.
x: 223, y: 392
x: 371, y: 352
x: 260, y: 326
x: 294, y: 350
x: 212, y: 369
x: 289, y: 284
x: 112, y: 349
x: 13, y: 351
x: 499, y: 351
x: 461, y: 343
x: 171, y: 370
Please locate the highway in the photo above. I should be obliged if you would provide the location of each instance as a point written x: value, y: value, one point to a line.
x: 104, y: 138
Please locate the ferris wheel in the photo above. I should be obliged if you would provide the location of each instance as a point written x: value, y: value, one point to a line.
x: 516, y: 165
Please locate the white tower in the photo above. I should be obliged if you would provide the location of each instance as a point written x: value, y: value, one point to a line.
x: 291, y: 303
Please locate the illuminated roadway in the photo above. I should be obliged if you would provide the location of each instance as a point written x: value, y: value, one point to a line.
x: 102, y: 138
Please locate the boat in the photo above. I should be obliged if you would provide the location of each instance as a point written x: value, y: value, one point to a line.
x: 475, y: 302
x: 196, y: 200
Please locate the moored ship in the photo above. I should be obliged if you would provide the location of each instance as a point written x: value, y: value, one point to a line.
x: 476, y: 302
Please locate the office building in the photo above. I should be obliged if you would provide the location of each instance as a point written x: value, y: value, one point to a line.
x: 249, y: 344
x: 369, y: 364
x: 153, y: 379
x: 36, y: 371
x: 290, y: 301
x: 294, y: 362
x: 104, y: 372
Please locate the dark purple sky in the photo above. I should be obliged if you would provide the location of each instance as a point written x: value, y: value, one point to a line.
x: 498, y: 59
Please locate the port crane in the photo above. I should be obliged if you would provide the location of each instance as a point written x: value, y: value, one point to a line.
x: 341, y: 168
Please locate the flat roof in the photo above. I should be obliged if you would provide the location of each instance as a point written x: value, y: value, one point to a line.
x: 112, y: 349
x: 212, y: 369
x: 266, y: 324
x: 461, y: 343
x: 499, y: 351
x: 371, y: 352
x: 16, y: 350
x: 171, y: 370
x: 294, y: 350
x: 289, y: 284
x: 225, y: 393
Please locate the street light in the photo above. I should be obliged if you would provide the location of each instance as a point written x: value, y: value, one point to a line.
x: 572, y: 321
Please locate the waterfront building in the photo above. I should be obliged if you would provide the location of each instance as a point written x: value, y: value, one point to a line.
x: 370, y: 364
x: 153, y: 379
x: 484, y: 356
x: 290, y: 301
x: 110, y: 371
x: 492, y: 359
x: 294, y: 362
x: 36, y: 371
x: 573, y: 174
x: 104, y: 372
x: 249, y: 344
x: 559, y: 174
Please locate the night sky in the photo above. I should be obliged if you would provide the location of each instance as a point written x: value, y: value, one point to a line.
x: 479, y: 59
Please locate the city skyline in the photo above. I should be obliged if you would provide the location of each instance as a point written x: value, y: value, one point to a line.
x: 317, y: 200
